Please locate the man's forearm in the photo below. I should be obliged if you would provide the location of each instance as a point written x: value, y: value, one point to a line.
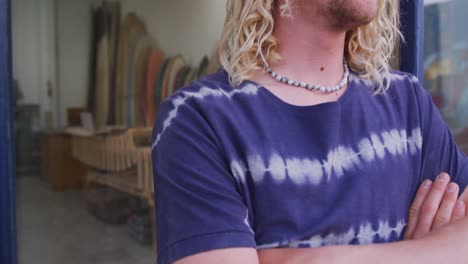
x: 441, y: 250
x: 352, y: 254
x: 415, y: 251
x: 399, y: 252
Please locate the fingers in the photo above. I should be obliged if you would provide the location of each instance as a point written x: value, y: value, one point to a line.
x: 415, y: 208
x: 464, y: 196
x: 464, y: 199
x: 444, y: 214
x: 431, y: 205
x: 459, y: 211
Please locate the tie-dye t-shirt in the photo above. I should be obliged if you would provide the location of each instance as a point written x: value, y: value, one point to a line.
x: 239, y: 167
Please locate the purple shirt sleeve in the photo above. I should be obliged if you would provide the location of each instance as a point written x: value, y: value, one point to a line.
x: 198, y: 206
x: 440, y: 152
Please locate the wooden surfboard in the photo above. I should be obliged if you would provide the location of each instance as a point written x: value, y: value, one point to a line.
x: 154, y: 67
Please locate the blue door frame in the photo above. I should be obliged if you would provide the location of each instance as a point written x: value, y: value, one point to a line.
x: 8, y: 243
x: 412, y: 23
x: 411, y: 61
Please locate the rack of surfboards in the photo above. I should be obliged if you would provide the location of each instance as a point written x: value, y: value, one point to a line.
x: 130, y: 75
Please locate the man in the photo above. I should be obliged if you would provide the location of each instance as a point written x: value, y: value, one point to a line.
x: 305, y: 148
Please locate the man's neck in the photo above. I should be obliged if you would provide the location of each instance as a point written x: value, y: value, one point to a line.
x: 311, y: 53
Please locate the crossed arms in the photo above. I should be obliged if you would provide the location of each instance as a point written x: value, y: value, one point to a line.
x: 437, y: 232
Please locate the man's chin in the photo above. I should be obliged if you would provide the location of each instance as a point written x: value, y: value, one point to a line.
x: 349, y: 16
x: 350, y: 23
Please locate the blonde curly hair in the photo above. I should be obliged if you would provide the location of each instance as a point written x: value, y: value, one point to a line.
x: 248, y: 44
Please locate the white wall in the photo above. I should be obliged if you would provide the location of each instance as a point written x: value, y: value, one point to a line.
x: 26, y: 58
x: 73, y: 40
x: 34, y: 51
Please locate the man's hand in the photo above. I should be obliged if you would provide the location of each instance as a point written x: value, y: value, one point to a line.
x: 435, y: 205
